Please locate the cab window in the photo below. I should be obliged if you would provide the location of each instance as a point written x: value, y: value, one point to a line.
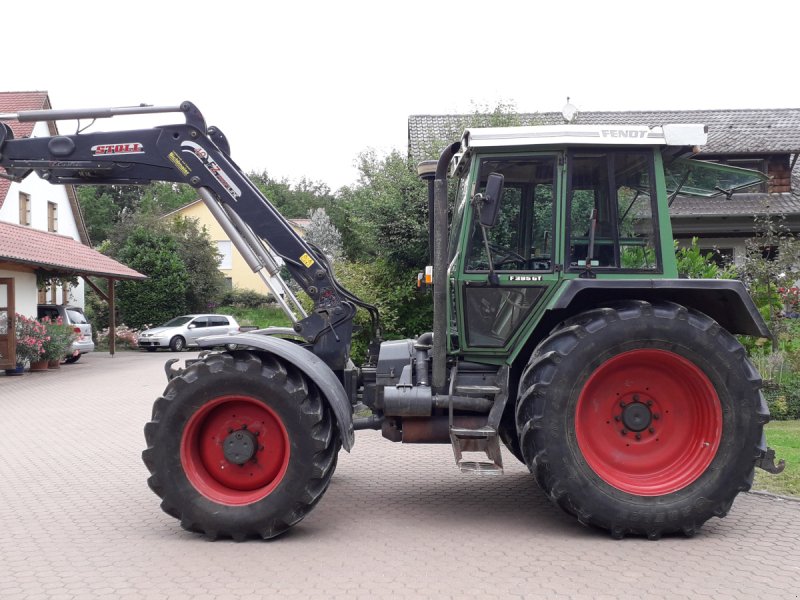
x: 522, y: 239
x: 613, y: 189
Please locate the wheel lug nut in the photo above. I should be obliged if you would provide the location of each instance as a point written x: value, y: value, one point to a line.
x: 244, y: 426
x: 616, y: 418
x: 651, y: 430
x: 638, y: 436
x: 656, y: 417
x: 636, y: 397
x: 649, y: 403
x: 230, y: 430
x: 624, y: 432
x: 622, y: 404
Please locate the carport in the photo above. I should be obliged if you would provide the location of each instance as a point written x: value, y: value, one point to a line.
x: 27, y: 250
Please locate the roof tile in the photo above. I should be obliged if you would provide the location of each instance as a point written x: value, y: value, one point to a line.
x: 20, y: 244
x: 745, y: 131
x: 16, y: 102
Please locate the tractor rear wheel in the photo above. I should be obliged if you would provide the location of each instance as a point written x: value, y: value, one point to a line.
x: 240, y: 446
x: 642, y: 419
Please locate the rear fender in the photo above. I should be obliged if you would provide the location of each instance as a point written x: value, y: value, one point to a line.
x: 724, y: 300
x: 311, y: 366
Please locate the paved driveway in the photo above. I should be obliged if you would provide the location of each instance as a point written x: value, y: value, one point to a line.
x: 78, y: 521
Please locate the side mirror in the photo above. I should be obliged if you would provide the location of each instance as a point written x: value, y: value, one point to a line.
x: 489, y: 201
x: 191, y: 326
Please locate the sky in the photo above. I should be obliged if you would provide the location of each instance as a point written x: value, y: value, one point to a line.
x: 302, y: 88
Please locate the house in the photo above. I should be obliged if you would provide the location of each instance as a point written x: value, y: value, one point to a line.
x: 767, y: 140
x: 232, y: 265
x: 43, y: 236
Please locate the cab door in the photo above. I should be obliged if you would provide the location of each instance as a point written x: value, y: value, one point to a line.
x: 504, y: 279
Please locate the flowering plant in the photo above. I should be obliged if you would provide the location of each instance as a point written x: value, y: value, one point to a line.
x: 30, y: 339
x: 58, y: 339
x: 790, y: 298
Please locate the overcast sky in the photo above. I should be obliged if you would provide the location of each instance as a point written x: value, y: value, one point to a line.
x: 301, y: 88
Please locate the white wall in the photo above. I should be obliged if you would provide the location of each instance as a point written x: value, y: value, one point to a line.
x: 25, y: 292
x: 41, y: 193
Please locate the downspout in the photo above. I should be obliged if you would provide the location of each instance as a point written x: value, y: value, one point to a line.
x: 440, y: 227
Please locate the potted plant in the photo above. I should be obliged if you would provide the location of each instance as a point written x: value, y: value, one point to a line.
x: 57, y: 341
x: 30, y: 342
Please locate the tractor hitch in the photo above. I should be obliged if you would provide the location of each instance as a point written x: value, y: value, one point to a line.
x: 766, y: 461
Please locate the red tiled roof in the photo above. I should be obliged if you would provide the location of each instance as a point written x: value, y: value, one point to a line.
x: 16, y: 102
x: 20, y: 244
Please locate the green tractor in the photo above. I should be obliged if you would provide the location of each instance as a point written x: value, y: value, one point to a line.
x: 561, y: 330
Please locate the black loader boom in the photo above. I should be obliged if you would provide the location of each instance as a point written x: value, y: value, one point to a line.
x: 196, y: 155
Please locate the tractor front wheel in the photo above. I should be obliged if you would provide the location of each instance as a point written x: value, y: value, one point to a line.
x: 641, y: 418
x: 240, y: 446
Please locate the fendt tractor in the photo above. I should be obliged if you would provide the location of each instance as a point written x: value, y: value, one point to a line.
x: 560, y: 329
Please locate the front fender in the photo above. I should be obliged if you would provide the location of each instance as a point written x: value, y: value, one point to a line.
x: 311, y: 366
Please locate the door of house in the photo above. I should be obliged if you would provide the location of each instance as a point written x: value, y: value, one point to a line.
x: 8, y: 342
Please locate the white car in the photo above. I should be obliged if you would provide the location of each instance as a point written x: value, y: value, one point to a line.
x: 71, y: 315
x: 182, y: 332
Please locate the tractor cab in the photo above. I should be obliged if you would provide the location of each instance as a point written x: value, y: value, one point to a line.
x: 576, y: 202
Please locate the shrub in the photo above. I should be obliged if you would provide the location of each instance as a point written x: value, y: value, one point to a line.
x: 245, y: 299
x: 125, y: 338
x: 58, y: 340
x: 31, y: 336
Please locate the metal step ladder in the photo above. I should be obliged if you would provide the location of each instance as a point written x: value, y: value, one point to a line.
x: 483, y: 439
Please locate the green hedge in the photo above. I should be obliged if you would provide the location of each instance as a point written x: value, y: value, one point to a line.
x: 783, y: 400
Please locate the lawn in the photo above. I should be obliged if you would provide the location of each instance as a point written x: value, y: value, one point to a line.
x: 784, y: 438
x: 265, y: 316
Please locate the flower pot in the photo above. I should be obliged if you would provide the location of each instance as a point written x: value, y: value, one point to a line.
x: 54, y: 364
x: 18, y: 370
x: 39, y: 365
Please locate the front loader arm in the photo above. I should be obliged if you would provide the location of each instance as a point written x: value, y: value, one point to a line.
x: 195, y: 155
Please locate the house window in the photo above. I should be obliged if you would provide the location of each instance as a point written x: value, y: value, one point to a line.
x: 225, y: 254
x: 52, y: 216
x: 229, y: 283
x: 24, y: 208
x: 722, y: 257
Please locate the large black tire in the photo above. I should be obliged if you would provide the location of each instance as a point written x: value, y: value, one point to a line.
x: 260, y: 398
x: 177, y: 344
x: 69, y: 360
x: 642, y: 419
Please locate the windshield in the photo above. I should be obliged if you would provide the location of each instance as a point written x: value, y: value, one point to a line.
x: 177, y: 321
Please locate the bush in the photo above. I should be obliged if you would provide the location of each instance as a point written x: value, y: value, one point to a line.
x: 245, y: 299
x: 404, y: 311
x: 58, y: 340
x: 783, y: 400
x: 30, y: 335
x: 125, y: 338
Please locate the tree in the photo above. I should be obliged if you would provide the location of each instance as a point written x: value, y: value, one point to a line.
x: 199, y: 254
x: 293, y: 201
x: 772, y: 261
x: 323, y: 234
x: 163, y: 295
x: 387, y: 212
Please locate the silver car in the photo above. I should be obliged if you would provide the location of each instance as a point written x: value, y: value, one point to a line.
x: 183, y: 332
x: 71, y: 315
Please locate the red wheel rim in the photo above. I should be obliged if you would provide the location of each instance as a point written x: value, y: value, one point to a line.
x: 204, y: 459
x: 648, y: 422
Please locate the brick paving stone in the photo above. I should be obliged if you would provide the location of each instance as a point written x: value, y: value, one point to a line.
x: 78, y: 520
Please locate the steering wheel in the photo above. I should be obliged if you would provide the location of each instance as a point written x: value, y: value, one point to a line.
x: 502, y: 256
x: 540, y: 263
